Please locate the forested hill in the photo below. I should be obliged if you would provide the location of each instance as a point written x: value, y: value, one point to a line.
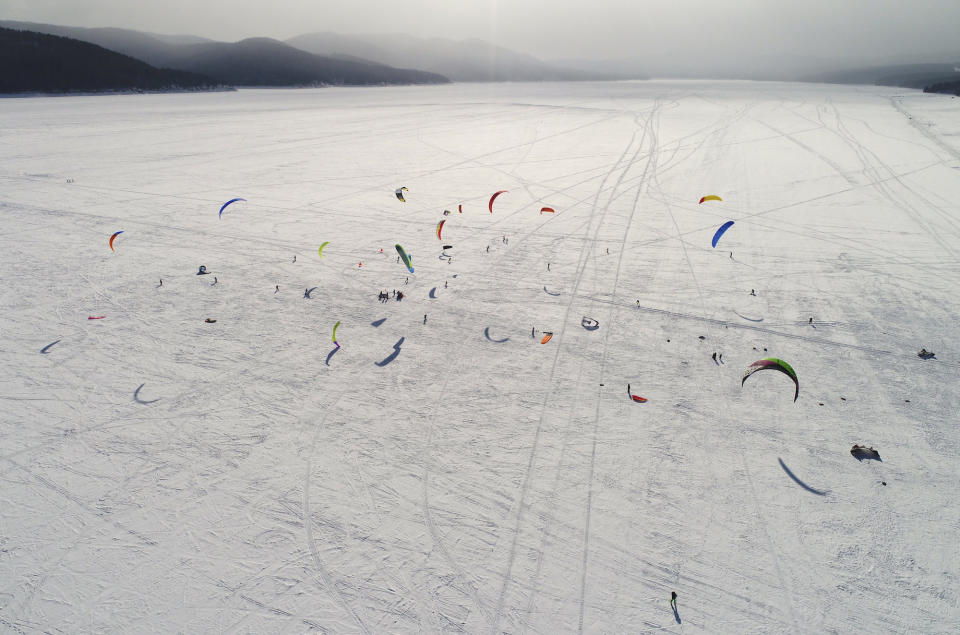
x: 36, y: 62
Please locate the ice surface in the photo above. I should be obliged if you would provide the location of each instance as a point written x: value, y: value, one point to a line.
x: 164, y: 474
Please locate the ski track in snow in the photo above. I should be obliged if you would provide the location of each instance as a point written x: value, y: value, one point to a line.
x: 163, y: 473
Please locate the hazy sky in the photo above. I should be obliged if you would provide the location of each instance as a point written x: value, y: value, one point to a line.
x: 684, y: 30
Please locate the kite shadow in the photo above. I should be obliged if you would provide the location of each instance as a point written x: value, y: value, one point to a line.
x: 798, y: 481
x: 330, y: 354
x: 377, y: 323
x: 676, y: 615
x: 392, y: 356
x: 307, y: 292
x: 136, y: 396
x: 46, y: 348
x: 749, y: 319
x: 861, y: 453
x: 433, y: 293
x: 548, y: 292
x: 486, y: 332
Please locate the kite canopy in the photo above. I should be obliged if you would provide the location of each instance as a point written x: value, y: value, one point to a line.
x: 320, y: 251
x: 440, y: 227
x: 405, y: 258
x: 548, y: 209
x: 710, y: 197
x: 720, y: 232
x: 772, y: 363
x: 547, y: 336
x: 399, y: 192
x: 232, y: 200
x: 493, y: 198
x: 112, y: 237
x: 334, y: 338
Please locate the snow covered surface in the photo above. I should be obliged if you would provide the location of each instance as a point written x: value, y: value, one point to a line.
x: 164, y: 474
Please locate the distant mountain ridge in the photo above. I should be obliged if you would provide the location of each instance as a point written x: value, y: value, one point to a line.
x: 462, y: 61
x: 251, y: 62
x: 39, y: 62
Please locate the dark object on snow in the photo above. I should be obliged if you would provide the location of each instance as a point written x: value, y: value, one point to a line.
x: 589, y: 323
x: 202, y: 271
x: 701, y: 338
x: 861, y: 452
x: 209, y: 320
x: 925, y: 354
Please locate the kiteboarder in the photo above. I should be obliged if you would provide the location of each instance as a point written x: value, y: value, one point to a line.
x: 424, y: 318
x: 407, y: 281
x: 488, y: 249
x: 548, y: 266
x: 277, y: 290
x: 161, y: 282
x: 810, y: 321
x: 673, y: 599
x: 752, y: 292
x: 714, y: 355
x: 445, y: 284
x: 294, y: 258
x: 638, y: 304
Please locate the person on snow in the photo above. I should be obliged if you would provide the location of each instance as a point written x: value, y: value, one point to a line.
x: 407, y: 281
x: 638, y: 304
x: 277, y: 289
x: 673, y: 599
x: 714, y: 355
x: 161, y: 282
x: 488, y: 249
x: 424, y: 318
x: 810, y: 321
x: 214, y: 280
x: 720, y: 358
x: 294, y: 258
x: 752, y: 292
x: 445, y: 284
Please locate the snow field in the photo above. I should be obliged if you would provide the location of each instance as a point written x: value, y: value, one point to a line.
x: 165, y: 474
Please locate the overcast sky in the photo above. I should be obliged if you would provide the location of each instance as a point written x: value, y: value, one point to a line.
x: 683, y: 30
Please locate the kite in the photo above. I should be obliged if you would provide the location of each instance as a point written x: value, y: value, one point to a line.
x: 406, y: 259
x: 547, y: 336
x: 492, y: 198
x: 636, y: 398
x: 710, y: 197
x: 399, y: 192
x: 112, y: 237
x: 232, y: 200
x: 446, y: 212
x: 773, y: 363
x: 720, y: 232
x: 548, y: 209
x: 320, y: 251
x: 96, y: 317
x: 440, y: 227
x: 460, y: 208
x: 334, y: 338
